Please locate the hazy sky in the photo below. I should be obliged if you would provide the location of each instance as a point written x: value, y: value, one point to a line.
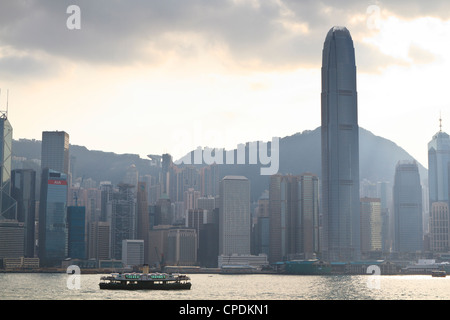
x: 144, y: 76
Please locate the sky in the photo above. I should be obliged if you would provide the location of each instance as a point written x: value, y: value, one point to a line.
x: 152, y: 77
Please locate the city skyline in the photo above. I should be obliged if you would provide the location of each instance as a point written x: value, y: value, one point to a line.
x: 179, y: 69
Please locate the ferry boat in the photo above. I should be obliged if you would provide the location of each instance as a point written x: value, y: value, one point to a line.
x: 439, y: 273
x: 145, y: 281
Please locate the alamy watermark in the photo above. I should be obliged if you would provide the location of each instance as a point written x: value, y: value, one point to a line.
x: 374, y: 17
x: 265, y: 154
x: 74, y: 279
x: 373, y: 282
x: 74, y: 20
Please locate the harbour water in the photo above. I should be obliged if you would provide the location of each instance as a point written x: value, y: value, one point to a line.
x: 60, y: 286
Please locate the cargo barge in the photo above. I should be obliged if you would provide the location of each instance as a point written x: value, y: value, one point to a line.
x: 145, y: 281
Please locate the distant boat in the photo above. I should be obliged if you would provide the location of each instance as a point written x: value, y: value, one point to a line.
x: 439, y: 273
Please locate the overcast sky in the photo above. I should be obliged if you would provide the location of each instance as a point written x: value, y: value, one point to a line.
x: 144, y: 76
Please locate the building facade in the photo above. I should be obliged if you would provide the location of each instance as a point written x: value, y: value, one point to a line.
x: 438, y: 161
x: 55, y: 151
x: 53, y: 231
x: 340, y: 148
x: 407, y: 191
x: 77, y: 240
x: 132, y: 252
x: 123, y: 218
x: 23, y: 189
x: 234, y: 215
x: 439, y: 227
x: 308, y: 224
x: 371, y: 225
x: 284, y: 217
x: 7, y: 203
x: 182, y: 247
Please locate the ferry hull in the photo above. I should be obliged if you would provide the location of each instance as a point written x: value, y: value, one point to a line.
x: 145, y: 286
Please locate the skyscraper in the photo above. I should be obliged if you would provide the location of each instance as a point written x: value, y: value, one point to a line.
x: 76, y: 220
x: 308, y: 222
x: 371, y: 225
x: 438, y: 160
x: 234, y: 216
x: 340, y: 148
x: 438, y: 182
x: 53, y: 231
x: 283, y: 213
x: 7, y: 203
x: 123, y: 218
x: 55, y: 151
x: 408, y: 233
x: 23, y: 191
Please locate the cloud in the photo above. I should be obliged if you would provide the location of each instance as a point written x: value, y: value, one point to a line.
x: 251, y: 33
x: 420, y: 55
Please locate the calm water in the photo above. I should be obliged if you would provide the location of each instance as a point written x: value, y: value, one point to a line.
x: 234, y: 287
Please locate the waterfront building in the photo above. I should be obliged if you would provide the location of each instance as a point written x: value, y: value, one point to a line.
x: 12, y: 237
x: 143, y: 217
x: 438, y: 161
x: 53, y: 231
x: 182, y: 247
x: 234, y: 215
x: 283, y: 216
x: 307, y: 226
x: 123, y: 218
x: 99, y: 240
x: 438, y: 191
x: 132, y: 252
x: 371, y: 225
x: 439, y: 227
x: 23, y: 188
x: 340, y: 148
x: 76, y: 220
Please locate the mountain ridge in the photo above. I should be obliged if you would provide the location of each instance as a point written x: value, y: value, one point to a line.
x: 298, y: 153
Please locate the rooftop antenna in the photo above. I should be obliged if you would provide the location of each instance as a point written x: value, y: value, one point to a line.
x: 4, y: 114
x: 440, y: 121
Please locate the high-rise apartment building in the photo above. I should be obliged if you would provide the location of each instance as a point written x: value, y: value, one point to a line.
x: 55, y: 151
x: 340, y: 148
x: 234, y: 216
x: 53, y: 231
x: 407, y: 191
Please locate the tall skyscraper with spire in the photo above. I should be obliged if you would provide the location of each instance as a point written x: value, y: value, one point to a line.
x: 8, y: 206
x: 438, y: 182
x: 340, y: 148
x: 438, y: 160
